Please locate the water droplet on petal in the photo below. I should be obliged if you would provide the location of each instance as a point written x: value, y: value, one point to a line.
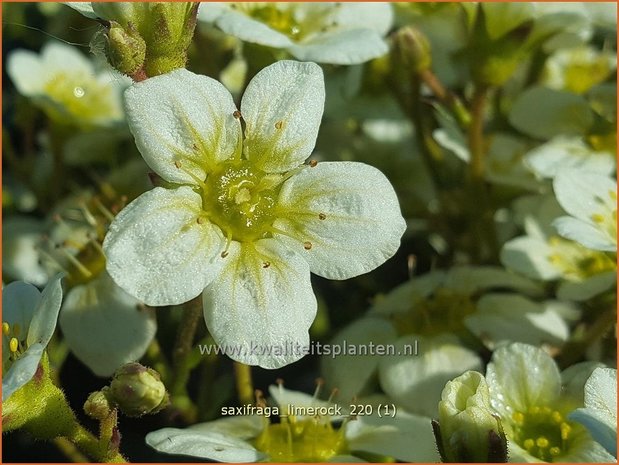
x: 78, y: 92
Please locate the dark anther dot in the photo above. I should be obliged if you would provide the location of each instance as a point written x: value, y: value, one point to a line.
x: 279, y: 125
x: 307, y: 245
x: 236, y: 114
x: 266, y: 264
x: 224, y: 254
x: 313, y: 163
x: 322, y: 216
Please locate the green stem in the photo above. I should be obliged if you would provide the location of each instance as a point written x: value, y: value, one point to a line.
x: 157, y: 360
x: 207, y: 376
x: 69, y: 450
x: 192, y: 314
x: 91, y: 446
x: 244, y: 383
x: 446, y: 97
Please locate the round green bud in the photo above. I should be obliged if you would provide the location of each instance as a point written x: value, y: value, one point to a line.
x: 411, y: 49
x: 137, y: 390
x: 126, y: 49
x: 97, y: 405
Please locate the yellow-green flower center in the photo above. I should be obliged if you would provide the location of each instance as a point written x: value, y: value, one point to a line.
x: 240, y: 199
x: 442, y: 312
x: 79, y: 99
x: 306, y: 440
x: 542, y: 432
x: 578, y: 262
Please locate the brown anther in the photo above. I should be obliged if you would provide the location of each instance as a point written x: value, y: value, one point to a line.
x: 307, y: 245
x: 279, y: 125
x: 224, y: 254
x: 319, y: 381
x: 279, y: 381
x: 322, y: 216
x: 201, y: 220
x: 266, y: 264
x: 178, y: 164
x: 313, y: 163
x: 236, y: 114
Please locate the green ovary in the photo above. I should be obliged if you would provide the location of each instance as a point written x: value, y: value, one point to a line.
x: 542, y: 432
x: 240, y: 199
x: 307, y: 440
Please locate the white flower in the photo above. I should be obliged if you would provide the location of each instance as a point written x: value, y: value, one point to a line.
x: 435, y: 313
x: 65, y: 84
x: 338, y: 33
x: 315, y: 438
x: 600, y: 412
x: 578, y: 69
x: 568, y: 152
x: 533, y: 401
x: 591, y: 201
x: 244, y: 221
x: 28, y: 322
x: 21, y: 237
x: 541, y: 254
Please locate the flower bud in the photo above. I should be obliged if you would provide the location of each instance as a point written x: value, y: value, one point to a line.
x: 468, y: 430
x: 137, y: 390
x: 97, y: 405
x: 411, y: 49
x: 126, y: 49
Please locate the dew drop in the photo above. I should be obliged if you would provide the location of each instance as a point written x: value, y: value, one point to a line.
x: 78, y: 92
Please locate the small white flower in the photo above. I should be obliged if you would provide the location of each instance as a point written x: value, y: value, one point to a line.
x: 28, y: 323
x: 245, y: 222
x: 541, y: 254
x: 254, y: 438
x: 533, y: 401
x: 569, y: 152
x: 578, y: 69
x: 600, y: 412
x: 338, y: 33
x: 66, y: 85
x: 591, y: 201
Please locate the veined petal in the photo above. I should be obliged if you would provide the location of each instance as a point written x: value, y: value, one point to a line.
x: 242, y: 26
x: 261, y: 306
x: 181, y: 117
x: 207, y: 445
x: 522, y: 376
x: 348, y: 47
x: 45, y: 317
x: 19, y: 301
x: 22, y: 370
x: 362, y: 223
x: 157, y: 250
x: 104, y: 326
x: 282, y: 108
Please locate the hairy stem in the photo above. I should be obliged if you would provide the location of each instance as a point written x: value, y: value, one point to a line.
x: 244, y: 383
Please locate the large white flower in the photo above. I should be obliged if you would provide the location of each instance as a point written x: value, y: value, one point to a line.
x: 298, y: 438
x: 338, y: 33
x: 67, y: 85
x: 28, y: 322
x: 243, y: 220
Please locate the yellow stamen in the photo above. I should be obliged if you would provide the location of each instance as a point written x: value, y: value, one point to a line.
x: 13, y: 345
x: 6, y: 329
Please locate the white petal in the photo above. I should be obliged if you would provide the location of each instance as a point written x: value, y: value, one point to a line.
x: 350, y: 374
x: 589, y: 287
x: 243, y: 427
x: 362, y: 225
x: 104, y: 326
x: 45, y: 316
x: 261, y: 313
x: 376, y: 16
x: 521, y: 376
x: 206, y: 445
x: 544, y: 113
x: 585, y: 233
x: 529, y: 256
x: 84, y: 8
x: 26, y: 71
x: 282, y: 108
x: 407, y: 438
x: 158, y: 252
x: 582, y: 193
x: 415, y: 382
x: 21, y: 238
x: 342, y: 47
x: 58, y: 57
x: 19, y: 301
x: 502, y: 318
x: 244, y: 27
x: 183, y: 117
x: 22, y: 370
